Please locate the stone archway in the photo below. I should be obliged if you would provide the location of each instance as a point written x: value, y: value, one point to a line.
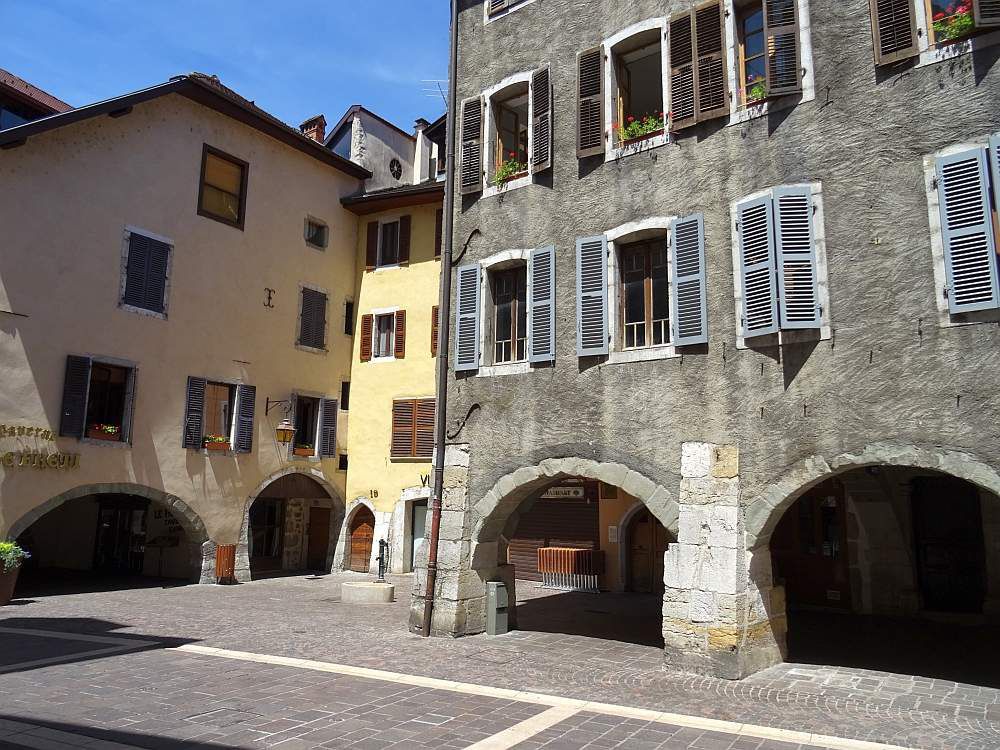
x: 342, y: 560
x: 202, y: 552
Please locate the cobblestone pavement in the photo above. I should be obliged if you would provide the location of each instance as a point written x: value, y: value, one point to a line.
x: 302, y: 617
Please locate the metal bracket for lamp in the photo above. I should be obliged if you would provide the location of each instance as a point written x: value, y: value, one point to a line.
x: 269, y: 404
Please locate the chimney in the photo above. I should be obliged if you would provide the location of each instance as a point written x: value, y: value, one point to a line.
x: 315, y: 128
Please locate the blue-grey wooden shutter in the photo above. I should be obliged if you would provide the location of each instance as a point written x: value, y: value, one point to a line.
x: 146, y: 273
x: 542, y: 308
x: 327, y: 427
x: 76, y: 385
x: 755, y: 236
x: 798, y: 290
x: 293, y: 417
x: 312, y: 330
x: 129, y: 406
x: 541, y: 120
x: 591, y: 296
x: 194, y: 413
x: 688, y: 292
x: 467, y: 318
x: 970, y: 260
x: 246, y: 397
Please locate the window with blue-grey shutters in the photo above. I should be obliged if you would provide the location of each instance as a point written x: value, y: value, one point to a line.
x: 98, y: 399
x: 591, y: 296
x: 778, y: 269
x: 193, y: 431
x: 328, y: 427
x: 467, y: 317
x: 246, y: 398
x: 312, y: 319
x: 688, y: 293
x: 542, y: 305
x: 146, y: 273
x: 967, y: 233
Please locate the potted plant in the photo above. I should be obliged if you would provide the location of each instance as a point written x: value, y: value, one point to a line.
x: 305, y: 450
x: 635, y: 130
x: 508, y: 170
x: 216, y: 443
x: 954, y: 22
x: 102, y: 431
x: 11, y: 557
x: 757, y: 91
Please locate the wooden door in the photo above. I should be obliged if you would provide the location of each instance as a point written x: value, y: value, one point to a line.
x: 362, y: 534
x: 641, y: 553
x: 319, y: 538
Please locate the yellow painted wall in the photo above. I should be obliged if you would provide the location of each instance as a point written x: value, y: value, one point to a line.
x: 611, y: 512
x: 375, y: 384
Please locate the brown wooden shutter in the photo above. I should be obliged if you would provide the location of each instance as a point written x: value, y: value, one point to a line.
x: 710, y: 50
x: 371, y: 251
x: 434, y: 331
x: 683, y: 84
x: 424, y: 430
x: 781, y: 35
x: 472, y: 146
x: 399, y: 337
x: 438, y: 231
x: 404, y: 239
x: 367, y: 321
x: 590, y: 103
x: 986, y: 12
x: 541, y: 121
x: 894, y: 30
x: 403, y: 423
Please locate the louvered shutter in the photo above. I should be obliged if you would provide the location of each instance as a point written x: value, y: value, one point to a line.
x: 404, y: 238
x: 472, y: 146
x: 246, y: 400
x: 312, y: 331
x: 894, y: 30
x: 399, y: 335
x: 495, y: 6
x: 156, y: 276
x: 434, y: 331
x: 781, y: 35
x: 438, y: 231
x: 136, y: 270
x: 591, y: 296
x: 970, y: 259
x: 467, y: 318
x: 128, y: 408
x: 293, y: 417
x: 688, y: 293
x: 371, y: 247
x: 194, y: 413
x: 710, y: 51
x: 590, y: 103
x: 798, y: 293
x: 683, y: 107
x: 367, y: 323
x: 542, y: 307
x: 986, y: 12
x: 76, y: 385
x: 541, y: 121
x: 403, y: 425
x: 328, y: 427
x: 755, y: 232
x: 423, y: 441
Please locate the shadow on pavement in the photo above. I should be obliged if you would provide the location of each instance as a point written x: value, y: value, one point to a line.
x: 628, y: 618
x: 44, y: 582
x: 19, y: 733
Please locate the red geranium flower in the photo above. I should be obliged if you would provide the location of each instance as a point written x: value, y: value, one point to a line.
x: 631, y: 119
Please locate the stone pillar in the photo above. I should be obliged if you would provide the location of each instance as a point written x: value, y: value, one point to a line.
x: 990, y: 505
x: 719, y: 597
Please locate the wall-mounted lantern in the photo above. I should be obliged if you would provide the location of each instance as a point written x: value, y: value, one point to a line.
x: 285, y: 430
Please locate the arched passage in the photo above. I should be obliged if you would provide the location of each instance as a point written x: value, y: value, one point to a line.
x: 123, y: 531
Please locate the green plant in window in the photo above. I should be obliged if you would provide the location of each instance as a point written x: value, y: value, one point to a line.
x: 508, y: 169
x: 107, y: 429
x: 11, y: 556
x: 216, y: 439
x: 757, y: 91
x: 954, y: 22
x: 637, y: 127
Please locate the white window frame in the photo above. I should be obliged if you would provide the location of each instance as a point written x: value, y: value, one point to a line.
x: 379, y: 266
x: 515, y: 5
x: 490, y: 134
x: 376, y: 313
x: 310, y: 219
x: 318, y: 397
x: 501, y: 261
x: 326, y: 321
x: 782, y: 337
x: 126, y: 238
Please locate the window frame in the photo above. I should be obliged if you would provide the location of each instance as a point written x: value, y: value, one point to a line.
x: 493, y: 277
x: 126, y: 242
x: 233, y: 396
x: 128, y: 411
x: 244, y: 166
x: 319, y: 223
x: 511, y: 7
x: 489, y: 133
x: 648, y: 248
x: 382, y: 223
x: 391, y: 315
x: 739, y: 12
x: 300, y: 397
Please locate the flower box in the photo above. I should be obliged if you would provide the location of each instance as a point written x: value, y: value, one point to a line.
x: 216, y: 446
x: 956, y: 27
x: 104, y: 432
x: 641, y: 138
x: 308, y: 451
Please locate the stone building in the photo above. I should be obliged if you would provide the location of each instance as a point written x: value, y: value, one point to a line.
x: 735, y: 263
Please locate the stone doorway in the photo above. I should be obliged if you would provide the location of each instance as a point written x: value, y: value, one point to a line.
x: 362, y: 535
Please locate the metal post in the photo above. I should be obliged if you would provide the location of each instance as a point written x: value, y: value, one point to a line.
x: 383, y: 548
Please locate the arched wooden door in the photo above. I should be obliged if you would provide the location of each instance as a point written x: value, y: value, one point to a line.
x: 647, y: 541
x: 362, y: 534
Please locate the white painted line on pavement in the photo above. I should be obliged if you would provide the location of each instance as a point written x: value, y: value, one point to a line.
x: 527, y: 729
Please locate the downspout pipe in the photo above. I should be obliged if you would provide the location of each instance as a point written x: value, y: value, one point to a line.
x: 444, y: 332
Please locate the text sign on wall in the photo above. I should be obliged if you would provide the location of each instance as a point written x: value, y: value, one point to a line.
x: 33, y: 459
x: 564, y: 493
x: 9, y: 430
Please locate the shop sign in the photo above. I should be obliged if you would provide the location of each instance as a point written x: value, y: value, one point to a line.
x: 9, y: 430
x: 37, y: 460
x: 564, y: 493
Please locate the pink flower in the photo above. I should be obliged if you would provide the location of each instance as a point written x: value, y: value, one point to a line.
x: 631, y: 119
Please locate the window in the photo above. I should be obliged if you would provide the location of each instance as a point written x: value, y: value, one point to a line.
x: 223, y: 191
x: 316, y: 233
x: 388, y: 243
x: 312, y: 319
x: 146, y: 266
x: 510, y: 315
x: 342, y: 462
x: 752, y: 60
x: 644, y: 297
x: 97, y: 400
x: 349, y: 317
x: 698, y: 75
x: 382, y: 344
x: 306, y: 423
x: 218, y: 415
x: 510, y: 124
x: 894, y: 28
x: 499, y: 8
x: 412, y: 428
x: 315, y: 422
x: 953, y: 20
x: 345, y: 394
x: 638, y: 73
x: 383, y: 335
x: 769, y: 63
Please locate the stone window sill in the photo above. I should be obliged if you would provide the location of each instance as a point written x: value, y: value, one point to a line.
x: 620, y: 152
x: 512, y: 368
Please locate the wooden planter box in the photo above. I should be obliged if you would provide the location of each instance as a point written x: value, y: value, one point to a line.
x: 101, y: 435
x: 217, y: 446
x: 8, y: 579
x: 307, y: 452
x: 641, y: 138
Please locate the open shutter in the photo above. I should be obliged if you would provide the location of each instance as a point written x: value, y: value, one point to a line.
x: 541, y: 121
x: 328, y: 427
x: 798, y: 293
x: 542, y: 307
x: 137, y: 270
x: 970, y: 259
x: 434, y: 331
x: 194, y: 413
x: 404, y: 238
x: 371, y: 248
x: 495, y: 6
x: 403, y: 428
x: 755, y: 232
x: 246, y: 400
x: 438, y: 231
x: 129, y: 406
x: 73, y: 419
x: 688, y: 294
x: 472, y: 146
x: 781, y: 35
x: 156, y: 276
x: 682, y: 72
x: 591, y: 296
x: 894, y: 30
x: 293, y: 417
x: 986, y: 12
x: 423, y: 442
x: 710, y: 51
x: 590, y: 96
x: 467, y: 318
x: 399, y: 335
x: 367, y: 322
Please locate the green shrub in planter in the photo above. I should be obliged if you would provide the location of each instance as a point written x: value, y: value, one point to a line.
x: 11, y: 556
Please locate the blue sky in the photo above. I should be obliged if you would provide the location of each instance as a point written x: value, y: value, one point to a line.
x: 294, y: 59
